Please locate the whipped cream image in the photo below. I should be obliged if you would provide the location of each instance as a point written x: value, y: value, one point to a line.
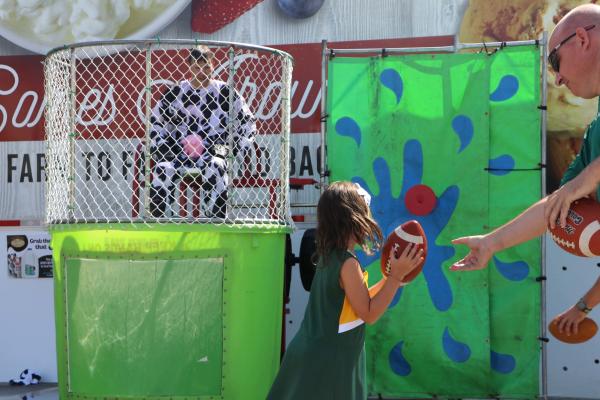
x: 67, y: 21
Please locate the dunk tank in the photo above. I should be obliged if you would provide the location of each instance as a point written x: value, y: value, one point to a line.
x: 167, y: 202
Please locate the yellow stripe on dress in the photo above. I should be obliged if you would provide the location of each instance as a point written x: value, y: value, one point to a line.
x: 348, y: 318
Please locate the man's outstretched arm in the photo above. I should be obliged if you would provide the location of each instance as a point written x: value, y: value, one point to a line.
x: 526, y: 226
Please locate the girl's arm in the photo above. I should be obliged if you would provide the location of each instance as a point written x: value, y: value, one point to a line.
x: 373, y: 290
x: 368, y: 308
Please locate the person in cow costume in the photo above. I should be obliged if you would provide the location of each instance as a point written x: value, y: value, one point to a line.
x: 190, y: 128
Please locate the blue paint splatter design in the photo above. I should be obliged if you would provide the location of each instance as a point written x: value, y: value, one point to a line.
x: 390, y: 212
x: 455, y: 350
x: 391, y: 79
x: 507, y: 88
x: 501, y: 165
x: 346, y: 126
x: 463, y: 127
x: 502, y: 363
x: 515, y: 271
x: 398, y: 362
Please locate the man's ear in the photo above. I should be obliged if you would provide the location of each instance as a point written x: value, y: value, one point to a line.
x: 583, y: 37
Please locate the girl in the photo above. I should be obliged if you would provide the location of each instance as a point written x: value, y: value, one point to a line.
x: 326, y: 358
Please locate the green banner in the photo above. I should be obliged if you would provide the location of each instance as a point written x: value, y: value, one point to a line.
x: 453, y: 141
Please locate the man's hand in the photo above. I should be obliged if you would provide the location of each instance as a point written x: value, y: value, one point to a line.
x: 584, y: 184
x: 478, y: 257
x: 558, y: 203
x: 568, y: 321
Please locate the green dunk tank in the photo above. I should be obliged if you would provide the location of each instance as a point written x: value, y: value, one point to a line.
x: 168, y: 206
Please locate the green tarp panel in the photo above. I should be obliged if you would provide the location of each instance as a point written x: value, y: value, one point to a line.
x: 119, y: 310
x: 453, y: 141
x: 171, y: 311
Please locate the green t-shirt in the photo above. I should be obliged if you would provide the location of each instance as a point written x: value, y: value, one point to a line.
x: 590, y: 149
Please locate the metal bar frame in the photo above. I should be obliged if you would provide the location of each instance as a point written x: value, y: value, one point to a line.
x: 147, y: 141
x: 439, y: 49
x: 324, y: 175
x: 180, y: 42
x: 72, y: 116
x: 286, y: 140
x: 543, y: 43
x: 230, y: 128
x: 543, y: 127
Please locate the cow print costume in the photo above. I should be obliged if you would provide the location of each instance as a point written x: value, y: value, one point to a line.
x: 184, y: 111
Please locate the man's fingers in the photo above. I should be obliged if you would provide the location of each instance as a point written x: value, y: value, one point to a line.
x: 569, y: 328
x: 466, y: 260
x: 465, y: 267
x: 549, y: 212
x: 461, y: 240
x: 466, y: 264
x: 564, y: 212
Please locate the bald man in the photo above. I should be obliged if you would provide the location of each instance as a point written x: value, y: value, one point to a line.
x: 574, y: 56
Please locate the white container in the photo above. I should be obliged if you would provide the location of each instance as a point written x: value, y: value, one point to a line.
x: 29, y: 266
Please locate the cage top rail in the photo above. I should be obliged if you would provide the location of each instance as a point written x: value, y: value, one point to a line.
x: 439, y: 49
x: 180, y: 42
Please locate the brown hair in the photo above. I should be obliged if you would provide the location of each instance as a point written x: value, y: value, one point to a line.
x: 342, y: 214
x: 200, y: 53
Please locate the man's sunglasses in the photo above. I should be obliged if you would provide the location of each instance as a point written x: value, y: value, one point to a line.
x: 553, y: 59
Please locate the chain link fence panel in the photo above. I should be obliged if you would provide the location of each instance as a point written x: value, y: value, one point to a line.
x: 168, y: 131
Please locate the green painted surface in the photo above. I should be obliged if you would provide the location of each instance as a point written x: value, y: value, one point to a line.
x: 441, y: 121
x: 161, y: 310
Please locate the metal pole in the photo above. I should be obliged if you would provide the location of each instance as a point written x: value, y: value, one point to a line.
x: 544, y: 47
x: 395, y: 50
x: 284, y: 211
x: 71, y: 211
x: 147, y: 140
x: 324, y: 65
x: 498, y: 44
x: 230, y: 127
x: 174, y: 42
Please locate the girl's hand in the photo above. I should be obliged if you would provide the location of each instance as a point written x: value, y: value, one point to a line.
x: 406, y: 262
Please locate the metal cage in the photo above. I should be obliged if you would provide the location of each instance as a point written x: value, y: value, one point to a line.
x: 137, y: 131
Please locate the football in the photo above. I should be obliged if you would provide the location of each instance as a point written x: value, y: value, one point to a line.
x: 581, y: 234
x: 585, y: 331
x: 408, y: 232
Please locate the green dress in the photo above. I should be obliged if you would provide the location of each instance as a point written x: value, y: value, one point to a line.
x: 320, y: 363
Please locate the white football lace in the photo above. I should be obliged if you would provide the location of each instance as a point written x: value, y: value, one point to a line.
x: 562, y: 242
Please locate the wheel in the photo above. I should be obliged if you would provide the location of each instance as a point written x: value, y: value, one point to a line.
x: 287, y: 269
x: 308, y: 247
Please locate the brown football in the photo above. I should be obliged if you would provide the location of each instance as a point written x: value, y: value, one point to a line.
x: 581, y: 234
x: 408, y: 232
x: 586, y: 330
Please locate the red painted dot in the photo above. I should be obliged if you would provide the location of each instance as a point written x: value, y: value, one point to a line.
x: 420, y: 200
